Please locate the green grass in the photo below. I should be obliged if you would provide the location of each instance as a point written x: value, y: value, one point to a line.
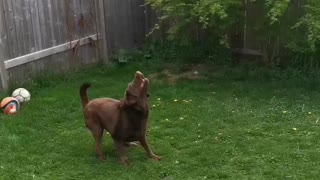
x: 232, y: 127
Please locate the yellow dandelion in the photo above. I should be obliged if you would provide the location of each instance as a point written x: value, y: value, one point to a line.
x: 294, y: 129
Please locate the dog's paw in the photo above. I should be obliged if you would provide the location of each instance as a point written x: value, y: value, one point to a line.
x: 125, y: 161
x: 155, y: 157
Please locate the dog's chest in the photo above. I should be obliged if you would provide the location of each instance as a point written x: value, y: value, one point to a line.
x: 132, y: 126
x: 135, y: 128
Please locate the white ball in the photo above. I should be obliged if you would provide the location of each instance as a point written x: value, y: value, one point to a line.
x: 21, y: 94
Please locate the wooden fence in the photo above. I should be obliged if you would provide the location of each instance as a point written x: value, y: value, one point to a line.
x: 38, y: 35
x: 125, y: 24
x: 56, y: 35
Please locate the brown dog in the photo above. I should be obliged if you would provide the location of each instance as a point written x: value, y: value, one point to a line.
x: 125, y: 119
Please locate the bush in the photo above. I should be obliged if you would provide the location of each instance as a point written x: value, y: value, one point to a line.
x: 287, y: 29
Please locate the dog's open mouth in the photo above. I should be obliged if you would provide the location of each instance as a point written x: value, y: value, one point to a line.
x: 139, y: 85
x: 140, y: 80
x: 142, y: 84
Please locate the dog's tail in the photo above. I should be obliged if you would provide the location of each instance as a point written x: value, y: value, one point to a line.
x: 83, y: 94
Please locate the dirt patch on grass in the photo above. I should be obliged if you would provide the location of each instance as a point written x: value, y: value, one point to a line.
x: 186, y: 72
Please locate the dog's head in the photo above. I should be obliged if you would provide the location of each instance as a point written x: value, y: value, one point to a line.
x: 137, y: 94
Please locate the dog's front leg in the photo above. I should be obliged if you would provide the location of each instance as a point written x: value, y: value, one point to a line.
x: 147, y: 148
x: 121, y: 150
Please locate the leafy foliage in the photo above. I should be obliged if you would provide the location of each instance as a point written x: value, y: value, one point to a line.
x: 280, y: 26
x: 213, y: 16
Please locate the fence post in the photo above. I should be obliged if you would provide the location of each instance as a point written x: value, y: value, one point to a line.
x: 3, y: 49
x: 100, y: 20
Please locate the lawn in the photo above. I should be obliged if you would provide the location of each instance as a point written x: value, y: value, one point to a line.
x: 232, y: 123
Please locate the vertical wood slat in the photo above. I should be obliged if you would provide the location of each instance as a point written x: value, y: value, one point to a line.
x: 55, y: 24
x: 101, y: 27
x: 118, y: 26
x: 87, y: 10
x: 3, y: 48
x: 36, y: 30
x: 139, y: 23
x: 50, y: 24
x: 85, y: 23
x: 25, y: 40
x: 81, y: 25
x: 46, y: 23
x: 44, y: 28
x: 128, y: 24
x: 11, y: 29
x: 108, y: 23
x: 75, y: 13
x: 18, y: 22
x: 62, y: 20
x: 27, y: 24
x: 125, y: 24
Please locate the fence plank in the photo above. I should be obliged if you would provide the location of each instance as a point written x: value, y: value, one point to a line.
x: 109, y: 25
x: 3, y: 48
x: 27, y: 23
x: 22, y: 41
x: 11, y: 29
x: 139, y: 24
x: 75, y: 10
x: 62, y: 21
x: 35, y: 24
x: 57, y: 22
x: 101, y: 28
x: 50, y: 24
x: 88, y: 21
x: 44, y: 28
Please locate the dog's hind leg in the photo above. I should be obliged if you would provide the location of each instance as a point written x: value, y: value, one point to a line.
x: 97, y: 133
